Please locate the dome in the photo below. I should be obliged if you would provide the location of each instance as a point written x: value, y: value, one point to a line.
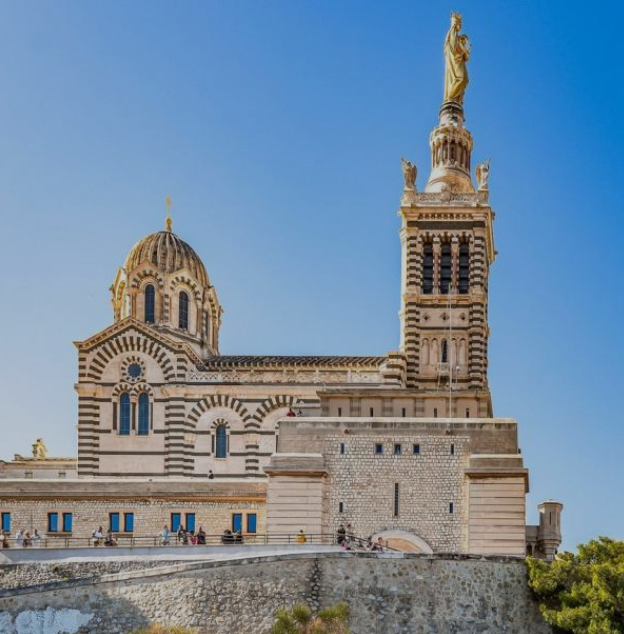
x: 168, y: 253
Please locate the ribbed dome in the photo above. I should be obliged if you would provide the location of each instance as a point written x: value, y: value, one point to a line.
x: 169, y: 253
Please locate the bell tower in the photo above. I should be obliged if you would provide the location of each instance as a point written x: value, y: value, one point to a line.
x: 447, y: 247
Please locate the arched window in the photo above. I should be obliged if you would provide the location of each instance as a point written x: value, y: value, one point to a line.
x: 221, y: 442
x: 144, y: 414
x: 446, y: 268
x: 464, y: 268
x: 183, y: 311
x: 444, y: 355
x: 427, y: 278
x: 150, y: 304
x: 124, y: 414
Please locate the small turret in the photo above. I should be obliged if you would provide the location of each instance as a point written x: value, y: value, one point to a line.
x: 549, y: 529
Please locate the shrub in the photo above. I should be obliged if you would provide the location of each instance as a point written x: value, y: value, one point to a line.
x: 300, y: 620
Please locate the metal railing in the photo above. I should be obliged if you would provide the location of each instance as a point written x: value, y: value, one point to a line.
x: 189, y: 541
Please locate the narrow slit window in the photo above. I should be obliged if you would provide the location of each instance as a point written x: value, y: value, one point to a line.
x: 464, y: 268
x: 144, y: 414
x: 446, y: 268
x: 150, y: 304
x: 444, y: 354
x: 342, y: 448
x: 124, y: 414
x: 416, y: 449
x: 427, y: 277
x: 452, y: 449
x: 183, y: 311
x: 340, y: 507
x: 396, y: 499
x: 451, y: 508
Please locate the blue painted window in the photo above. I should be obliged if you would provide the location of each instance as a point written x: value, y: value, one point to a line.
x: 128, y: 522
x: 135, y: 370
x: 221, y: 444
x: 416, y: 449
x: 53, y: 524
x: 124, y: 414
x: 190, y: 521
x: 144, y: 414
x: 237, y: 522
x: 252, y: 522
x: 378, y: 448
x: 6, y: 522
x: 150, y: 304
x: 113, y: 522
x: 183, y: 311
x: 67, y: 522
x: 176, y: 519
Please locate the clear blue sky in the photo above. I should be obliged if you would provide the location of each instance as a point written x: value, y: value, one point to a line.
x: 277, y: 127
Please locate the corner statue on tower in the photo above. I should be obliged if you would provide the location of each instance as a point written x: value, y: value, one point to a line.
x: 456, y: 55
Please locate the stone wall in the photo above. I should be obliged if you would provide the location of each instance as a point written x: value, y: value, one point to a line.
x: 387, y: 594
x: 429, y: 482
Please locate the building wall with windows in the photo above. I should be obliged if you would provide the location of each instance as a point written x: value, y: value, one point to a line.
x: 138, y: 509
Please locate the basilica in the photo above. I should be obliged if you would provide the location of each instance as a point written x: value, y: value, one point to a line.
x: 173, y: 431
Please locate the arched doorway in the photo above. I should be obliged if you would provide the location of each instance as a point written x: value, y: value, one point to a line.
x: 404, y: 541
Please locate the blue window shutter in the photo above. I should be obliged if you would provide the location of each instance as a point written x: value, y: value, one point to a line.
x: 175, y: 522
x: 252, y: 522
x: 113, y: 522
x: 221, y: 442
x: 190, y: 521
x: 124, y: 414
x: 67, y: 522
x: 6, y: 522
x: 183, y: 311
x: 144, y: 414
x: 52, y: 522
x: 150, y: 304
x: 128, y: 522
x: 237, y: 522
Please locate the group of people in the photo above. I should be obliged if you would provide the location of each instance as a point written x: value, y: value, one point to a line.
x: 109, y: 539
x: 23, y: 539
x: 346, y: 538
x: 183, y: 537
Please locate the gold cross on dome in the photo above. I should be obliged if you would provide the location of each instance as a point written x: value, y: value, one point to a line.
x: 168, y: 220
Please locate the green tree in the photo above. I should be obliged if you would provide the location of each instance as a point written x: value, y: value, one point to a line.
x: 582, y: 593
x: 300, y: 620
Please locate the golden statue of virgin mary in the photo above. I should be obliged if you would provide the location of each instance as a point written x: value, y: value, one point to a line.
x: 456, y: 54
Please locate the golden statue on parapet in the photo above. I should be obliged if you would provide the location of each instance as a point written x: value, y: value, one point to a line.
x: 39, y: 450
x: 456, y: 56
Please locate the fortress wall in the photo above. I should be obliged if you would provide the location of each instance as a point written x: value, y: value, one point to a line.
x: 387, y: 594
